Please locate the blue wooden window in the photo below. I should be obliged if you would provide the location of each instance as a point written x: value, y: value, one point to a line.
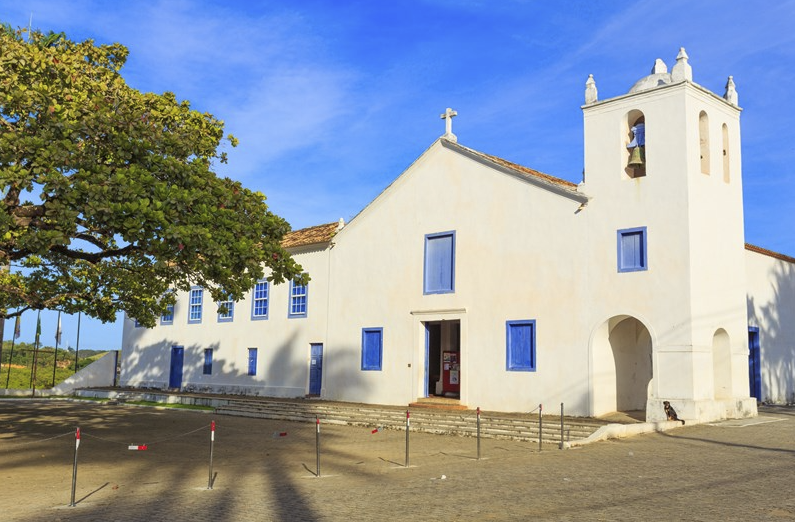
x: 137, y: 324
x: 632, y: 255
x: 168, y: 315
x: 195, y: 305
x: 372, y: 348
x: 252, y: 361
x: 298, y: 294
x: 439, y: 272
x: 754, y: 363
x: 520, y: 341
x: 259, y: 302
x: 208, y: 361
x: 229, y: 314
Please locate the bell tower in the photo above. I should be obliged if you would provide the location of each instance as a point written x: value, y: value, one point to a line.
x: 665, y: 233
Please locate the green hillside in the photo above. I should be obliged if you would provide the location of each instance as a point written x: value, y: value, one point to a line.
x: 15, y: 369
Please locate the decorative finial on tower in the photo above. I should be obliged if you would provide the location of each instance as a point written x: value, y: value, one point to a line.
x: 590, y: 90
x: 682, y: 70
x: 659, y: 67
x: 731, y: 92
x: 448, y: 124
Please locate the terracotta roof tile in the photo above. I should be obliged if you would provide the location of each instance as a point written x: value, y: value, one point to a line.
x: 526, y: 171
x: 770, y: 253
x: 310, y: 236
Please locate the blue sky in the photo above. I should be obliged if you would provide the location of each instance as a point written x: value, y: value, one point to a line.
x: 332, y: 100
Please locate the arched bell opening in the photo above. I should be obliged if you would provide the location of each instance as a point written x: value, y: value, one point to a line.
x: 635, y: 144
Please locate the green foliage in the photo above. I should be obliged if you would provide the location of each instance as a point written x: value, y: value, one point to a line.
x: 21, y: 362
x: 109, y: 197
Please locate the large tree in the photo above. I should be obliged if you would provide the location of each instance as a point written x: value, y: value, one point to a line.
x: 109, y: 195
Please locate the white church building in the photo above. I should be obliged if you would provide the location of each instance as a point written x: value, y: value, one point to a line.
x: 500, y: 287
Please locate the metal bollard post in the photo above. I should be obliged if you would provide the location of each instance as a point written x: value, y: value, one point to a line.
x: 408, y: 425
x: 212, y: 443
x: 561, y: 425
x: 540, y: 424
x: 478, y: 432
x: 74, y: 467
x: 317, y: 445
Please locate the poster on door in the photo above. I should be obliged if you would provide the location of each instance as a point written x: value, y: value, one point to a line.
x: 451, y: 372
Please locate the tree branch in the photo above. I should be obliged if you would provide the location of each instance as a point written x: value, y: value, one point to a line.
x: 94, y: 257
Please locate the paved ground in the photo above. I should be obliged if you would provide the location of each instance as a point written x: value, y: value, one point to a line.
x: 728, y: 471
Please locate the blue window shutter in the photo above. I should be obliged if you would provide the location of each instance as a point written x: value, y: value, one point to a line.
x: 372, y: 348
x: 520, y: 345
x: 252, y: 361
x: 632, y: 250
x: 208, y: 361
x: 439, y: 263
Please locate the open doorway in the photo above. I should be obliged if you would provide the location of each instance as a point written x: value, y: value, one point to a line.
x: 443, y: 359
x: 622, y: 366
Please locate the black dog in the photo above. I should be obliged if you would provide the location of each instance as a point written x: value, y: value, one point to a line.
x: 670, y: 412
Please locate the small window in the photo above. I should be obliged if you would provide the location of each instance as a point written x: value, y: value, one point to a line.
x: 439, y: 270
x: 252, y: 361
x: 372, y: 348
x: 195, y: 305
x: 259, y: 303
x: 226, y: 310
x: 298, y: 294
x: 168, y: 315
x: 520, y: 342
x: 208, y: 362
x: 137, y: 323
x: 632, y: 250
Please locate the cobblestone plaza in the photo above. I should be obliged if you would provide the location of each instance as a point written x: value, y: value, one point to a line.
x: 266, y: 470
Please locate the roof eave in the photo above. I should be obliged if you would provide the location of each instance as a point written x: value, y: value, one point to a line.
x: 571, y: 193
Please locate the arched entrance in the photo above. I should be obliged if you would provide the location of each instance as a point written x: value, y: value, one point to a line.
x: 622, y: 367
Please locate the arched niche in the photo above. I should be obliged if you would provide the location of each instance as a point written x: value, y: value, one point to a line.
x: 703, y: 141
x: 726, y: 158
x: 721, y: 364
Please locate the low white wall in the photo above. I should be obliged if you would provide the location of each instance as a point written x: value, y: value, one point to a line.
x: 101, y: 372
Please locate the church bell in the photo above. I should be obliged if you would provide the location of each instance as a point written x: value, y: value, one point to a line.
x: 637, y: 158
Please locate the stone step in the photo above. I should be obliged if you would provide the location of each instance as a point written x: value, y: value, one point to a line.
x: 458, y: 422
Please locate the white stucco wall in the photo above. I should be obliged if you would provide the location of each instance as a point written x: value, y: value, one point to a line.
x: 771, y: 308
x: 518, y: 256
x: 282, y: 343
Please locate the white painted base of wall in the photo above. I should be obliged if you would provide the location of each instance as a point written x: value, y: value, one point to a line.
x: 279, y: 392
x: 698, y: 411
